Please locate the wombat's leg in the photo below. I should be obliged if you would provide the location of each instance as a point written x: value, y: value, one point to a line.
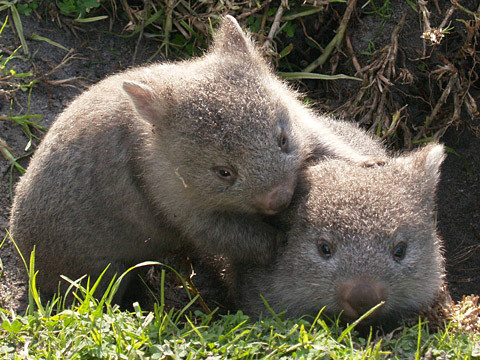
x: 115, y: 268
x: 94, y: 267
x: 127, y: 292
x: 242, y: 238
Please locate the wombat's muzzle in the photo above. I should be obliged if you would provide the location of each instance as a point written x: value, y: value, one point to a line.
x: 356, y: 297
x: 277, y: 199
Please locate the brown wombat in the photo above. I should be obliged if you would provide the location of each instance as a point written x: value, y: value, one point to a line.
x: 153, y: 158
x: 355, y: 237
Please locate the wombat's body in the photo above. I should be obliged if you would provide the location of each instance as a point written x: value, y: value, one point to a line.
x: 158, y: 157
x: 356, y: 237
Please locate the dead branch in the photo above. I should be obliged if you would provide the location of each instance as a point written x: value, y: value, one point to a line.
x: 336, y: 41
x: 447, y: 17
x: 448, y: 89
x: 378, y: 79
x: 275, y: 26
x: 254, y: 10
x: 355, y: 62
x: 142, y: 28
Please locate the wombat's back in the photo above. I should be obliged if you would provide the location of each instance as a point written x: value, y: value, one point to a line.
x: 81, y: 202
x: 357, y: 138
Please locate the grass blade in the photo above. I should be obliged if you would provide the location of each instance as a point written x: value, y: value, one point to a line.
x: 4, y: 24
x: 18, y: 25
x: 51, y: 42
x: 92, y: 19
x: 315, y: 76
x: 356, y: 322
x: 145, y: 263
x: 306, y: 12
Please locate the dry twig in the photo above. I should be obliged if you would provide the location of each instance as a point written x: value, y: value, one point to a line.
x: 142, y: 28
x: 275, y: 25
x: 373, y: 101
x: 355, y: 62
x: 336, y: 41
x: 254, y: 10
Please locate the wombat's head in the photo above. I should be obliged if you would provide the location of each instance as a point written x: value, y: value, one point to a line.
x: 360, y: 236
x: 228, y: 126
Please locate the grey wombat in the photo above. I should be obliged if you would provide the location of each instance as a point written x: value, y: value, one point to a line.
x: 356, y: 237
x: 158, y: 156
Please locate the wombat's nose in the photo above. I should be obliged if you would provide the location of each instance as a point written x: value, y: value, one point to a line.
x: 357, y: 297
x: 280, y: 198
x: 276, y: 199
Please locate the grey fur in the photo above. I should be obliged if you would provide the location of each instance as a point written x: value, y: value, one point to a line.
x: 363, y: 214
x: 128, y: 171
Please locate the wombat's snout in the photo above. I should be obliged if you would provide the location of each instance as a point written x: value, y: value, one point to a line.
x: 276, y: 199
x: 356, y: 297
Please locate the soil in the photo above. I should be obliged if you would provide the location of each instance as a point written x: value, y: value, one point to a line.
x: 96, y: 53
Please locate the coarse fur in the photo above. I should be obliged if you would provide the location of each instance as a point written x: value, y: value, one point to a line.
x: 356, y: 236
x: 165, y: 155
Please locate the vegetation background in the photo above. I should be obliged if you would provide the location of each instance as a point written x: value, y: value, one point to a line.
x: 405, y: 69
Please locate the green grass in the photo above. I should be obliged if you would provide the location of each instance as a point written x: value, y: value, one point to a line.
x: 12, y: 81
x: 94, y: 328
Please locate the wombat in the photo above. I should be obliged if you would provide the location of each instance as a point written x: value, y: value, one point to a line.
x: 159, y: 156
x: 355, y: 237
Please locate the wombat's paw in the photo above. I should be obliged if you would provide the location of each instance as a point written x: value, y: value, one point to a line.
x: 373, y: 161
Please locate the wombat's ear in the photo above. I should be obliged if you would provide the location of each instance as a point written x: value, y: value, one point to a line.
x: 145, y: 101
x: 423, y: 166
x: 230, y: 38
x: 428, y: 160
x: 434, y: 157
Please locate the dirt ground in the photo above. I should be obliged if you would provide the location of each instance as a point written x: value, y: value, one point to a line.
x: 96, y: 54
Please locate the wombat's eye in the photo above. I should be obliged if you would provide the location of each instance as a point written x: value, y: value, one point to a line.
x: 399, y: 251
x: 325, y: 248
x: 283, y: 141
x: 225, y: 173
